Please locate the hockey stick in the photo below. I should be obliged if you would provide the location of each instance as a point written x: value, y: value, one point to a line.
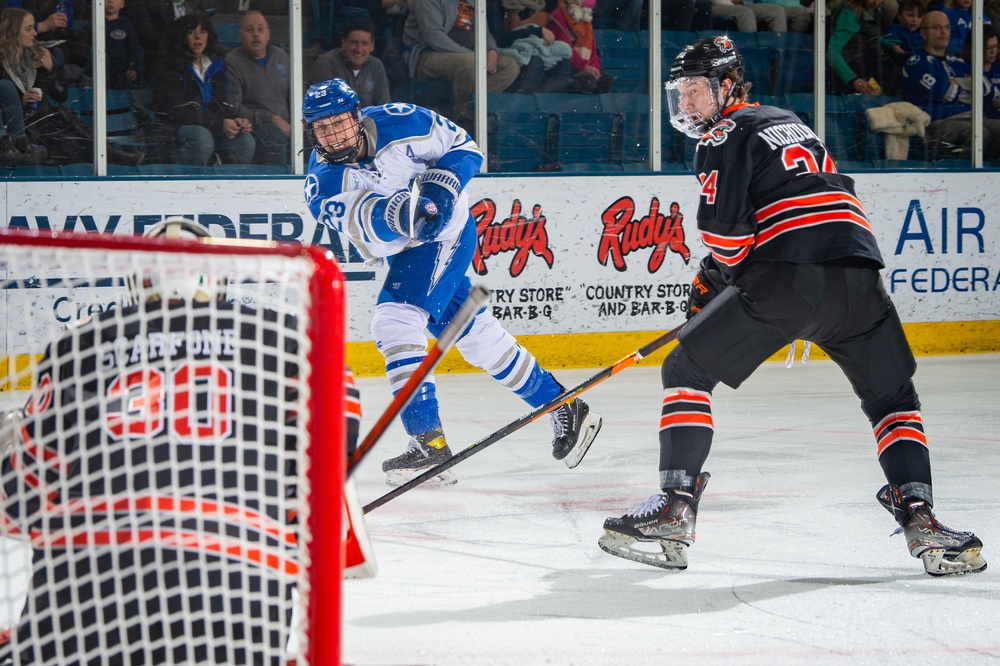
x: 478, y: 297
x: 514, y: 426
x: 414, y: 197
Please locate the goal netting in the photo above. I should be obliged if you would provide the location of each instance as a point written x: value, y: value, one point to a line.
x: 172, y: 468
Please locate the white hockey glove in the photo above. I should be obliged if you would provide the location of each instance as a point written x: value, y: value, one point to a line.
x: 441, y: 186
x: 10, y: 424
x: 396, y: 212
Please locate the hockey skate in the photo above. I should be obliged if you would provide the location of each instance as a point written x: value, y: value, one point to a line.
x: 943, y: 551
x: 423, y: 452
x: 657, y: 531
x: 574, y: 429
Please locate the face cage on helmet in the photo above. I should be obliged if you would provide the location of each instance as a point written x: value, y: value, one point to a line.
x: 693, y: 124
x: 344, y: 156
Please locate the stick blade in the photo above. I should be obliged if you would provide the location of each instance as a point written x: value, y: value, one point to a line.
x: 414, y: 195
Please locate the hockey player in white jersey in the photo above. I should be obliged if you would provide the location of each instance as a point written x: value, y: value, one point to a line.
x: 392, y: 178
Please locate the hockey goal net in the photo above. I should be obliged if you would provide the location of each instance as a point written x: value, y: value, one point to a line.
x: 171, y: 467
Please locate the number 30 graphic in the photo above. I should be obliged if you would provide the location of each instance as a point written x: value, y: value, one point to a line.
x: 145, y: 403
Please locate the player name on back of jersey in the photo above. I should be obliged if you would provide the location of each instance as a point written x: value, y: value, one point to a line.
x: 785, y: 134
x: 155, y: 345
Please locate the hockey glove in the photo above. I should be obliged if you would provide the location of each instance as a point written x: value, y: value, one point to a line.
x: 706, y: 285
x: 396, y: 212
x: 441, y: 186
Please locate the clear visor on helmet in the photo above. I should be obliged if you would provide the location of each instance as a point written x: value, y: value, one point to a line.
x: 692, y: 102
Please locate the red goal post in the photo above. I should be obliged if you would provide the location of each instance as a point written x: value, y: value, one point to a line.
x: 197, y: 388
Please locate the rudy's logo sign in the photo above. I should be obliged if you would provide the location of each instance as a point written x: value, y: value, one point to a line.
x: 623, y: 234
x: 521, y: 235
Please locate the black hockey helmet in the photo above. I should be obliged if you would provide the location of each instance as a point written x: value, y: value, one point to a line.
x: 712, y: 57
x: 694, y: 96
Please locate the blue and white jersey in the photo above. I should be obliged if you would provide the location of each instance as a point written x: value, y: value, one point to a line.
x: 927, y: 83
x: 991, y: 91
x: 908, y: 41
x: 404, y: 141
x: 961, y: 26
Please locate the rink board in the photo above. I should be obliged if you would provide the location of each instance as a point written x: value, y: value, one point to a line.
x: 604, y: 259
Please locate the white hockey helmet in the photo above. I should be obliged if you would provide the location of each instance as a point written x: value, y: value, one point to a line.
x: 175, y: 282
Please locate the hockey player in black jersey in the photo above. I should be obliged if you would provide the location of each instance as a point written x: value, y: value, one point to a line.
x: 792, y: 256
x: 153, y: 471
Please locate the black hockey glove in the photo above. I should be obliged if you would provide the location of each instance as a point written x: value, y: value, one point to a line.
x: 707, y: 284
x: 441, y: 186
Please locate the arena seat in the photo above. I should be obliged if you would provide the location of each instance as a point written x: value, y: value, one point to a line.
x: 518, y: 141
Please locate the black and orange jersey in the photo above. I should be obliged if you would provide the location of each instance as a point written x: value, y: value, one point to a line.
x: 127, y: 404
x: 770, y: 192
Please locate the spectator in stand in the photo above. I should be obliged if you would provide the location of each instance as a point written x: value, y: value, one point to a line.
x: 191, y: 96
x: 857, y: 53
x: 121, y: 41
x: 380, y: 12
x: 799, y: 18
x: 627, y: 14
x: 940, y: 84
x: 991, y: 70
x: 353, y: 62
x: 152, y: 20
x: 258, y: 89
x: 439, y: 34
x: 686, y: 15
x: 520, y: 28
x: 571, y: 22
x: 959, y: 13
x: 904, y: 34
x: 747, y: 13
x: 55, y: 21
x: 890, y: 8
x: 27, y: 70
x: 54, y: 133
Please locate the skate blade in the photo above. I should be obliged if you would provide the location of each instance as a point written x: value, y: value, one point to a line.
x: 397, y: 477
x: 662, y: 553
x: 937, y: 564
x: 590, y: 430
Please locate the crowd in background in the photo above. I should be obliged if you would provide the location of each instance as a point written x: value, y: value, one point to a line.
x: 200, y: 102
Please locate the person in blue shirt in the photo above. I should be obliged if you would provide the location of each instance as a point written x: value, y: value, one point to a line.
x: 905, y: 32
x: 361, y: 183
x: 123, y: 53
x: 959, y: 12
x: 991, y: 70
x: 940, y: 83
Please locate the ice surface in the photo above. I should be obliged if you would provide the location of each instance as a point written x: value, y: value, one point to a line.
x: 793, y: 562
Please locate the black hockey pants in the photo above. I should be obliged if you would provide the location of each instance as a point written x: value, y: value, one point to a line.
x: 843, y: 309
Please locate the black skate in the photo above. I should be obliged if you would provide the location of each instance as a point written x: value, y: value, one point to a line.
x: 657, y: 531
x: 423, y: 452
x: 943, y: 551
x: 574, y: 429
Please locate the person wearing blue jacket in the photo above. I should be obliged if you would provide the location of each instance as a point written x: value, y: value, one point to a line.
x: 941, y: 84
x: 191, y: 97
